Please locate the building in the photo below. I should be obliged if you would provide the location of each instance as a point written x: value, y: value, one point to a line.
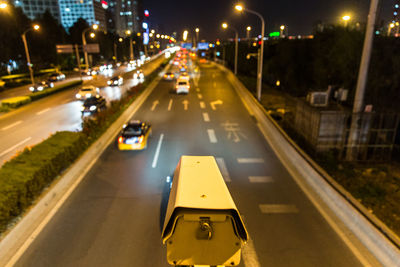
x: 128, y: 15
x: 93, y: 11
x: 35, y: 8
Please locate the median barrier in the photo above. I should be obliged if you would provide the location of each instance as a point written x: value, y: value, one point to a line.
x: 376, y: 237
x: 15, y: 102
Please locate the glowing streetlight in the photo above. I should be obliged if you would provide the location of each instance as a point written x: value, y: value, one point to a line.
x: 241, y: 8
x: 28, y: 59
x: 128, y: 32
x: 158, y: 35
x: 197, y: 29
x: 92, y: 35
x: 185, y: 35
x: 120, y: 40
x: 248, y: 28
x: 391, y: 26
x: 3, y: 5
x: 95, y: 26
x: 225, y: 26
x: 346, y: 19
x: 152, y: 31
x: 282, y: 28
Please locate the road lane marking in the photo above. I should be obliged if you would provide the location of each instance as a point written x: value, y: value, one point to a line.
x: 202, y: 105
x: 260, y: 179
x: 211, y: 136
x: 198, y: 89
x: 214, y: 84
x: 278, y: 208
x: 43, y: 111
x: 249, y: 254
x: 170, y: 104
x: 155, y: 103
x: 185, y: 104
x: 250, y: 160
x: 15, y: 146
x: 11, y: 125
x: 206, y: 117
x: 155, y: 159
x: 217, y: 102
x: 213, y: 75
x: 200, y: 96
x: 224, y: 169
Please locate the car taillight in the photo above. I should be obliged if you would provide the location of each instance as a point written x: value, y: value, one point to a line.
x: 120, y: 140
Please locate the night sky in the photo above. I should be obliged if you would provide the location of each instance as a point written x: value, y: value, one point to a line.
x: 300, y: 16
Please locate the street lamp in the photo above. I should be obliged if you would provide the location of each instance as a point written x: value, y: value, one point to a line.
x: 248, y: 29
x: 225, y: 26
x: 391, y: 26
x: 346, y: 18
x: 94, y: 27
x: 129, y: 33
x: 282, y: 28
x: 28, y: 59
x: 92, y: 35
x: 240, y: 8
x: 3, y: 5
x: 197, y: 30
x: 185, y: 35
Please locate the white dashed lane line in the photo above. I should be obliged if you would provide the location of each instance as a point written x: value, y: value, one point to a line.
x: 250, y: 160
x: 11, y: 125
x: 206, y: 117
x: 202, y: 105
x: 15, y: 146
x: 200, y: 96
x: 170, y: 104
x: 278, y: 208
x: 211, y: 136
x: 155, y: 159
x: 223, y: 169
x: 43, y: 111
x: 260, y: 179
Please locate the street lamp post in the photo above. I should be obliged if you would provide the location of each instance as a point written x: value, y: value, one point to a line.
x: 346, y: 19
x: 197, y: 30
x: 28, y: 59
x: 260, y: 61
x: 94, y: 27
x: 129, y: 33
x: 391, y: 26
x: 248, y: 29
x: 282, y: 28
x: 225, y: 26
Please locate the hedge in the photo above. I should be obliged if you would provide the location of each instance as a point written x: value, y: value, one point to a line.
x: 15, y: 102
x: 23, y: 178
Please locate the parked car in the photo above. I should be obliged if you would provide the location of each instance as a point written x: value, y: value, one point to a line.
x: 40, y: 86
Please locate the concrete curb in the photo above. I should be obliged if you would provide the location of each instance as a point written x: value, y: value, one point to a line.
x: 26, y: 231
x: 371, y: 232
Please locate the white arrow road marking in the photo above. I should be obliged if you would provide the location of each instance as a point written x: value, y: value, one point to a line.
x: 216, y: 102
x: 185, y: 104
x: 200, y: 96
x: 260, y: 179
x: 155, y: 159
x: 206, y: 117
x: 211, y: 136
x: 43, y: 111
x: 15, y: 146
x: 202, y: 105
x: 224, y: 169
x: 170, y: 104
x: 11, y: 125
x: 155, y: 103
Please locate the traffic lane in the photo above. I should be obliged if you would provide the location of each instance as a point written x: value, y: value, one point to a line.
x: 285, y: 226
x: 113, y: 216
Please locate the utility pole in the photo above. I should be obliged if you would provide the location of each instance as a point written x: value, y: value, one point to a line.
x: 354, y: 134
x: 78, y: 59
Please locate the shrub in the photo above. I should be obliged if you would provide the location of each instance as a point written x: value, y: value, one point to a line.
x: 15, y: 102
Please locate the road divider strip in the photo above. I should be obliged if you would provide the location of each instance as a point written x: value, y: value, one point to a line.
x: 365, y: 235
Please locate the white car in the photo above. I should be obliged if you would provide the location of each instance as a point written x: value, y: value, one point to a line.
x: 182, y: 86
x: 138, y: 75
x: 184, y: 76
x: 87, y: 92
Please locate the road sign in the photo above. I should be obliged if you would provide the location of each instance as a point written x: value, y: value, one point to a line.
x: 63, y: 49
x: 91, y: 48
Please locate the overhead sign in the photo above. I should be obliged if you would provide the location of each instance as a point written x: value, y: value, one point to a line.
x: 91, y: 48
x: 145, y: 38
x: 63, y: 49
x: 187, y: 45
x: 274, y: 34
x: 203, y: 46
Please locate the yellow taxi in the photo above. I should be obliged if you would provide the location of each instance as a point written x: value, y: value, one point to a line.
x: 134, y: 135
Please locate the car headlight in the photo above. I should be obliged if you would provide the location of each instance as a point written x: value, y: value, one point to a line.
x: 32, y: 88
x: 88, y: 95
x: 82, y: 108
x: 40, y: 88
x: 109, y: 82
x: 115, y: 82
x: 88, y: 73
x: 93, y: 108
x: 78, y: 95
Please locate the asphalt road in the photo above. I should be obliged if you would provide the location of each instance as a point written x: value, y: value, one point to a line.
x: 33, y: 123
x: 113, y: 218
